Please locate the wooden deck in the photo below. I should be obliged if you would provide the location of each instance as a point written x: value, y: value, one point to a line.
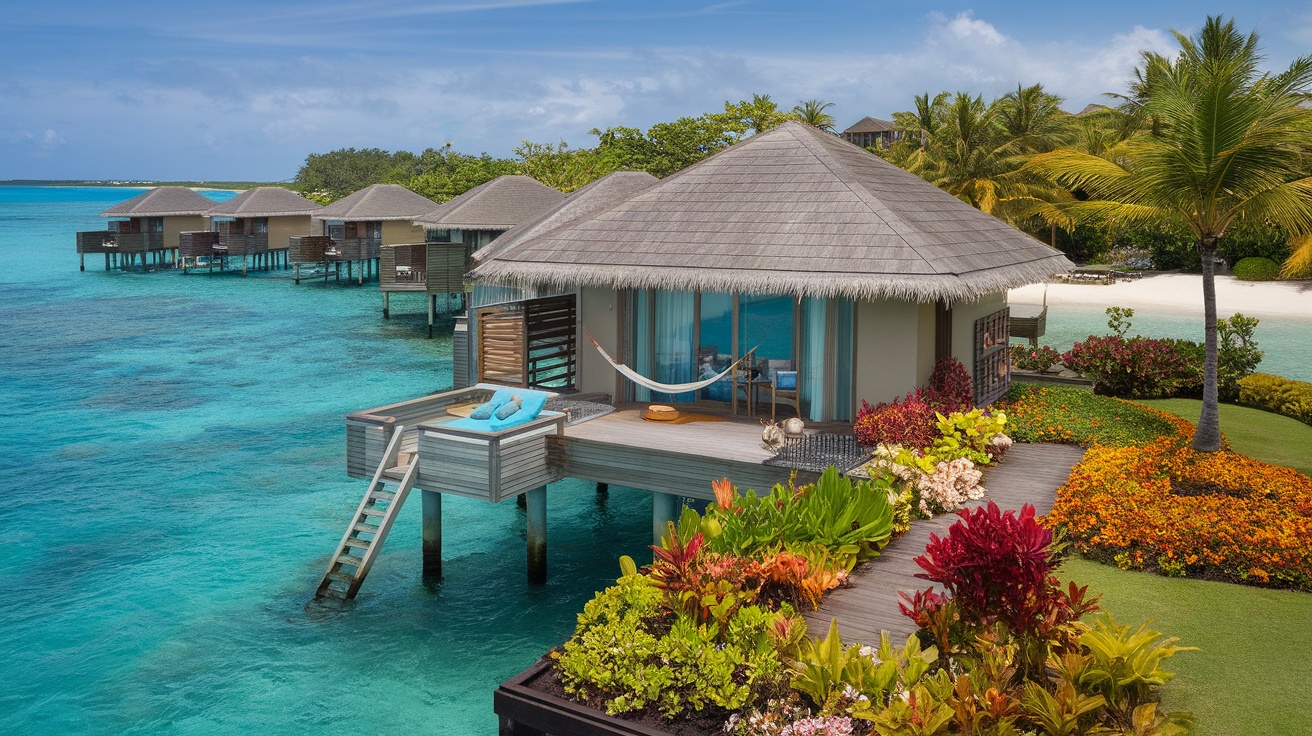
x: 623, y: 449
x: 1028, y: 474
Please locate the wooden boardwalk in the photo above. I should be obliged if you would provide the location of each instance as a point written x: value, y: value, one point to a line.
x: 1028, y: 474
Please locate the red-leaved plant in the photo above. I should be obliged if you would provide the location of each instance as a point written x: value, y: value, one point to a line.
x: 909, y: 422
x: 950, y: 387
x: 995, y: 569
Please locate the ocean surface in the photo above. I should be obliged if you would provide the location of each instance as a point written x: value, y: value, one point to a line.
x: 172, y: 466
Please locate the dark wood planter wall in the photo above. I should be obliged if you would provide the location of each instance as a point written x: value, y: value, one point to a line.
x: 524, y: 711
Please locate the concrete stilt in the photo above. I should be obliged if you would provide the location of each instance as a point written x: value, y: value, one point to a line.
x: 387, y: 305
x: 432, y: 312
x: 432, y: 536
x: 603, y: 489
x: 664, y: 509
x: 536, y: 500
x: 298, y: 272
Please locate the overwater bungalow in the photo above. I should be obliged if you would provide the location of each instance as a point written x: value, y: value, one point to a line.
x: 354, y: 229
x: 144, y: 231
x: 793, y: 258
x: 454, y: 231
x: 871, y: 132
x: 256, y: 225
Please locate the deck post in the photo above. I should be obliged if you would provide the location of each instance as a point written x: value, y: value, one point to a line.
x: 243, y: 265
x: 432, y: 312
x: 298, y: 272
x: 664, y: 509
x: 82, y: 261
x: 536, y: 501
x: 106, y: 261
x: 387, y: 311
x: 432, y: 533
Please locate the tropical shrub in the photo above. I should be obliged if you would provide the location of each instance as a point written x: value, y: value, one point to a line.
x: 1166, y: 508
x: 1256, y: 269
x: 850, y: 521
x: 1237, y: 354
x: 908, y: 422
x: 628, y: 655
x: 976, y: 435
x: 1275, y: 394
x: 1135, y: 367
x: 1074, y: 416
x: 951, y: 387
x: 1029, y: 358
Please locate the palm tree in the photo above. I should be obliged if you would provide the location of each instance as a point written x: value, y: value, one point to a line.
x: 812, y: 112
x: 1033, y: 118
x: 1226, y: 143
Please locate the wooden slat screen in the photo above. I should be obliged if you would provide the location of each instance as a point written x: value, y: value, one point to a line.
x: 992, y: 357
x: 530, y: 343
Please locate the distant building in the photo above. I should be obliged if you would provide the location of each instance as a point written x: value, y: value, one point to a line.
x: 871, y: 132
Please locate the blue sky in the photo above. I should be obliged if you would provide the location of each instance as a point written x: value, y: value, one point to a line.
x: 244, y: 90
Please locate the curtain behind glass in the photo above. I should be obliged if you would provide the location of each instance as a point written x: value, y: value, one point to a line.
x: 845, y: 323
x: 642, y: 362
x: 815, y: 359
x: 672, y: 339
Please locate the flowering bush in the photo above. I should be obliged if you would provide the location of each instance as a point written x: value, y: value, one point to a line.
x: 1166, y: 508
x: 947, y: 486
x: 1135, y: 367
x: 1073, y: 416
x: 1029, y: 358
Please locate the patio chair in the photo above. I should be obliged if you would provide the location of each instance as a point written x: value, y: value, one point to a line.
x: 783, y: 385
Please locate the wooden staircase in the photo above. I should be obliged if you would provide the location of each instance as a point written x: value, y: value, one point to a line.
x: 372, y: 521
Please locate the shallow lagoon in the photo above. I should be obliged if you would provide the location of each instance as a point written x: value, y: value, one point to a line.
x: 172, y: 459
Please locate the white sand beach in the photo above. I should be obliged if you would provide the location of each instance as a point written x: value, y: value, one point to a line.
x: 1180, y: 293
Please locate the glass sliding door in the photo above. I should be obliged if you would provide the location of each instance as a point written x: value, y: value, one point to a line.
x: 663, y: 348
x: 826, y: 374
x: 715, y: 344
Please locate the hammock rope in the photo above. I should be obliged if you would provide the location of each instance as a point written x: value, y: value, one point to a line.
x: 665, y: 388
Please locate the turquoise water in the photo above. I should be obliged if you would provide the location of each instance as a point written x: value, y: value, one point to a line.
x: 1286, y: 341
x: 172, y: 463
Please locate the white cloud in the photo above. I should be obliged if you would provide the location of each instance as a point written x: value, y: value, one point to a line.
x: 968, y: 28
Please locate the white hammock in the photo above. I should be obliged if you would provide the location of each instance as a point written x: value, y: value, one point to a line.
x: 665, y: 388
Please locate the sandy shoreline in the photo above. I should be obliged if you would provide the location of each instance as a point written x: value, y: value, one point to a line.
x: 1180, y: 293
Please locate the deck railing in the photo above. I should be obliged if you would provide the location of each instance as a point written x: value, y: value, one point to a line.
x: 109, y: 241
x: 235, y: 244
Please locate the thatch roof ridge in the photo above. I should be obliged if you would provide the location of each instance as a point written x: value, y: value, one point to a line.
x: 790, y: 210
x: 168, y: 201
x: 499, y: 204
x: 590, y: 199
x: 378, y: 202
x: 265, y: 202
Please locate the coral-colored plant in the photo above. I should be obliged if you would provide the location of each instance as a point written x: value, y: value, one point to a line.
x: 1166, y: 508
x: 909, y: 422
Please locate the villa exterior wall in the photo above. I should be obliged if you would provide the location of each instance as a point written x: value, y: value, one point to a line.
x: 182, y: 224
x: 924, y: 344
x: 964, y: 315
x: 281, y: 229
x: 600, y: 312
x: 888, y: 349
x: 401, y: 231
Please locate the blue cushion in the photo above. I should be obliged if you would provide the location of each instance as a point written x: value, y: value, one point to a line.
x: 508, y: 408
x: 785, y: 380
x: 499, y: 397
x: 533, y: 402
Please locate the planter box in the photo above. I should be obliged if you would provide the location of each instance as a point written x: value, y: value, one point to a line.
x: 524, y: 710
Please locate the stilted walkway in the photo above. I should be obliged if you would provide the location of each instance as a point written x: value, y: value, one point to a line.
x: 1028, y: 474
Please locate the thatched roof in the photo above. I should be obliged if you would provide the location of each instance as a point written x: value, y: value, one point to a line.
x: 162, y: 202
x: 265, y: 202
x: 597, y: 196
x: 868, y: 124
x: 377, y: 202
x: 792, y: 210
x: 499, y: 204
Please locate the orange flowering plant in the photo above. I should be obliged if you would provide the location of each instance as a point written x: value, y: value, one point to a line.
x: 1165, y: 508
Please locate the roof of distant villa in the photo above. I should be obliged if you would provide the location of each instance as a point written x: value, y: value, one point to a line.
x: 499, y: 204
x: 377, y: 202
x: 793, y: 210
x: 868, y: 124
x: 599, y: 195
x: 162, y: 202
x: 265, y: 202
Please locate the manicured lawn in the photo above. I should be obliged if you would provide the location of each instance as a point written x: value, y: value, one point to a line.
x: 1258, y: 434
x: 1253, y: 674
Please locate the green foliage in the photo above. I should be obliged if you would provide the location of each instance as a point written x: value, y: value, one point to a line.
x: 812, y: 112
x: 620, y: 656
x: 562, y: 167
x: 1076, y: 416
x: 1118, y: 320
x: 967, y: 434
x: 345, y: 170
x: 824, y: 669
x: 852, y: 521
x: 1279, y: 395
x: 443, y: 174
x: 1125, y: 666
x: 1237, y: 354
x: 1256, y: 269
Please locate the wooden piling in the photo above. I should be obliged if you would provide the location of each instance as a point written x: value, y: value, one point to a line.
x: 432, y: 536
x: 298, y: 272
x: 387, y: 313
x: 536, y: 501
x: 432, y: 312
